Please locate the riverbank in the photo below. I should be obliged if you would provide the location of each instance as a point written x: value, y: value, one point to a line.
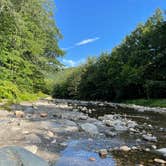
x: 147, y: 102
x: 72, y: 133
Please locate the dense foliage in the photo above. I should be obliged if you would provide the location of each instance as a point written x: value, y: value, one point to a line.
x: 28, y: 46
x: 134, y: 69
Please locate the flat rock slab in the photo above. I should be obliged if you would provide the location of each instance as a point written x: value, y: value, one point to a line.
x: 16, y: 156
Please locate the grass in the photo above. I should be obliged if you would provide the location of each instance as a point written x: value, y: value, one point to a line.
x: 147, y: 102
x: 30, y: 97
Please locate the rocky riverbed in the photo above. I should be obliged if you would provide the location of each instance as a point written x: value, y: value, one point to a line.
x: 78, y: 133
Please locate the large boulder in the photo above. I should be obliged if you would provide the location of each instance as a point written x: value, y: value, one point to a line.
x: 89, y: 128
x: 17, y: 156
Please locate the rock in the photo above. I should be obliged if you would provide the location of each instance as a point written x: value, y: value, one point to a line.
x: 89, y: 128
x: 125, y: 148
x: 92, y: 159
x: 54, y: 141
x: 138, y: 140
x: 162, y: 151
x: 120, y: 126
x: 4, y: 113
x: 83, y: 117
x: 19, y: 114
x: 32, y: 148
x: 33, y: 139
x: 131, y: 124
x: 147, y: 150
x: 103, y: 153
x: 149, y: 138
x: 63, y: 144
x: 68, y: 122
x: 50, y: 134
x: 134, y: 148
x: 160, y: 161
x: 29, y: 110
x: 25, y: 132
x: 132, y: 130
x: 43, y: 115
x: 17, y: 156
x: 154, y: 147
x: 110, y: 134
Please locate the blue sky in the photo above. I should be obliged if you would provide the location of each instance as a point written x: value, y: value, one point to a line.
x: 90, y: 27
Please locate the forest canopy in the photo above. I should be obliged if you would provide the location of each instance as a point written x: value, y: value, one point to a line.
x: 28, y: 46
x: 136, y: 68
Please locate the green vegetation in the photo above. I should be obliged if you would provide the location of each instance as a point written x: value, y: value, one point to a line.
x: 148, y: 102
x: 28, y: 47
x: 134, y: 69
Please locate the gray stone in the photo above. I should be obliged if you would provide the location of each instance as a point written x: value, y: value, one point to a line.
x: 16, y: 156
x: 89, y: 128
x: 162, y: 151
x: 149, y: 138
x: 33, y: 139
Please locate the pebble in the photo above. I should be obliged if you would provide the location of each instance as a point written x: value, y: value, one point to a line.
x: 160, y: 161
x: 125, y: 148
x: 50, y: 134
x: 92, y: 159
x: 54, y: 141
x: 43, y: 115
x: 154, y: 147
x: 103, y: 153
x: 19, y: 114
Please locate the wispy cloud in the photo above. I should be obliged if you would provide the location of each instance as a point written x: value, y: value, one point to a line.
x: 83, y: 42
x: 87, y: 41
x: 72, y: 63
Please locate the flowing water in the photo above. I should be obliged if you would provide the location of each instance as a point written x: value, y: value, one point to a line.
x: 79, y: 151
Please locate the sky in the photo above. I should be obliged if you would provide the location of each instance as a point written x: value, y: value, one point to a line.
x: 90, y: 27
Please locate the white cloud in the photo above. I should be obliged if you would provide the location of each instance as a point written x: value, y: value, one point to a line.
x: 72, y: 63
x: 87, y: 41
x: 69, y: 62
x: 83, y: 42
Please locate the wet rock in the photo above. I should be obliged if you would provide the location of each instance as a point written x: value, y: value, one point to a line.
x: 103, y: 153
x: 133, y: 130
x: 43, y: 115
x: 160, y: 161
x: 150, y: 138
x: 68, y: 122
x: 131, y: 124
x: 125, y: 148
x: 120, y: 126
x: 33, y: 138
x: 29, y: 110
x: 89, y: 128
x: 110, y: 134
x: 32, y: 148
x: 138, y: 140
x: 63, y: 144
x: 19, y: 114
x: 16, y: 156
x: 162, y: 151
x: 83, y: 117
